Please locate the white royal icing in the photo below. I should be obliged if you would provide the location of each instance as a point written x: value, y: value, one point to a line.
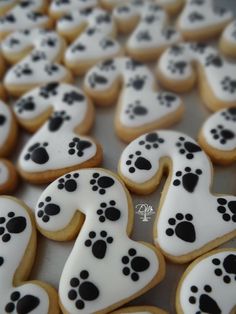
x: 24, y: 15
x: 85, y: 285
x: 95, y: 42
x: 16, y: 230
x: 201, y: 14
x: 5, y: 123
x: 140, y: 104
x: 175, y: 64
x: 210, y: 285
x: 151, y: 31
x: 219, y: 130
x: 64, y: 7
x: 4, y: 173
x: 55, y: 145
x: 229, y: 33
x: 182, y: 226
x: 38, y: 66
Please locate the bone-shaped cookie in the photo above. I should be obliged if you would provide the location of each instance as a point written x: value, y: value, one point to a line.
x: 93, y: 32
x: 35, y: 66
x: 103, y: 249
x: 58, y: 113
x: 228, y: 40
x: 140, y: 107
x: 208, y: 285
x: 151, y: 34
x: 23, y: 14
x: 201, y: 20
x: 216, y: 76
x: 218, y: 136
x: 17, y: 253
x: 188, y: 209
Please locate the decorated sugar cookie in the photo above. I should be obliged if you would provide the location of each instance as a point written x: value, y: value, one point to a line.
x: 140, y: 310
x: 18, y: 248
x: 218, y: 136
x: 59, y: 8
x: 85, y: 284
x: 171, y: 6
x: 188, y: 209
x: 151, y: 35
x: 26, y: 14
x: 209, y: 284
x: 36, y: 67
x: 202, y: 20
x: 93, y: 31
x: 140, y: 107
x: 216, y: 76
x: 228, y: 40
x: 59, y: 114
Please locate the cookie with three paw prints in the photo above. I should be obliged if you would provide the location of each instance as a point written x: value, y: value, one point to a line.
x: 36, y: 55
x: 140, y: 310
x: 218, y: 136
x: 85, y: 283
x: 18, y: 240
x: 172, y: 7
x: 216, y: 76
x: 228, y: 40
x: 24, y: 14
x: 151, y: 34
x: 182, y: 230
x: 93, y: 38
x: 140, y: 107
x: 58, y: 114
x: 208, y: 285
x: 202, y: 20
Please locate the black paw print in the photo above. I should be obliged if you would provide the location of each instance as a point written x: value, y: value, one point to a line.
x: 98, y: 243
x: 108, y: 211
x: 226, y: 268
x: 188, y: 178
x: 25, y: 104
x: 133, y: 64
x: 38, y: 153
x: 13, y: 42
x: 50, y: 42
x: 227, y: 209
x: 82, y: 290
x: 182, y: 227
x: 34, y: 16
x: 139, y: 163
x: 72, y: 97
x: 106, y: 43
x: 38, y: 56
x: 221, y: 134
x: 19, y: 304
x: 57, y: 119
x: 214, y: 60
x: 195, y: 17
x: 168, y: 33
x: 101, y: 183
x: 187, y: 148
x: 151, y: 140
x: 199, y: 47
x: 11, y: 225
x: 103, y: 18
x: 10, y: 18
x: 136, y: 109
x: 176, y: 50
x: 97, y: 79
x: 134, y: 264
x: 78, y: 146
x: 23, y: 70
x: 78, y: 47
x: 229, y: 84
x: 166, y: 99
x: 144, y: 35
x: 68, y: 182
x: 229, y: 114
x: 205, y: 303
x: 50, y: 69
x: 149, y: 19
x: 49, y: 90
x: 107, y: 65
x: 177, y: 66
x: 137, y: 82
x: 47, y: 209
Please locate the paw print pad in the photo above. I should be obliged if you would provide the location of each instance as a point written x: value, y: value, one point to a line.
x: 134, y: 264
x: 187, y: 148
x: 11, y: 225
x: 139, y: 163
x: 82, y: 290
x: 47, y: 209
x: 108, y: 211
x: 25, y: 304
x: 182, y: 227
x: 137, y: 82
x: 152, y: 140
x: 166, y: 99
x: 177, y: 67
x: 222, y: 134
x: 78, y: 146
x: 188, y: 179
x: 101, y: 183
x: 68, y: 182
x: 229, y: 85
x: 25, y: 104
x: 136, y: 109
x: 226, y: 268
x: 38, y: 153
x: 98, y: 244
x: 57, y: 119
x: 227, y: 209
